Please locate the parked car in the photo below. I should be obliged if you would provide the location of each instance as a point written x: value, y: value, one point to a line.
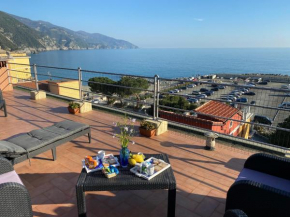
x: 203, y: 89
x: 262, y: 119
x: 242, y: 100
x: 96, y: 101
x: 228, y: 98
x: 193, y: 100
x: 196, y: 92
x: 284, y: 105
x: 221, y: 87
x: 214, y: 85
x: 250, y: 94
x: 233, y: 95
x: 201, y: 96
x: 184, y: 88
x: 215, y: 89
x: 263, y: 83
x: 208, y: 93
x: 285, y: 86
x: 253, y: 103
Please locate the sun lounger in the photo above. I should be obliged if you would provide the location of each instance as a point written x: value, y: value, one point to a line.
x: 28, y: 145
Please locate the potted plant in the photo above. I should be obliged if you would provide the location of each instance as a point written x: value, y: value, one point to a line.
x: 147, y: 129
x: 126, y: 131
x: 73, y: 108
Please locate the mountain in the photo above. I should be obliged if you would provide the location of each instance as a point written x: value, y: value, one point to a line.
x: 18, y: 33
x: 15, y: 35
x: 63, y: 38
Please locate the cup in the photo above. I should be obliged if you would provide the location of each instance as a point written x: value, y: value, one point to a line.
x: 150, y: 170
x: 101, y: 154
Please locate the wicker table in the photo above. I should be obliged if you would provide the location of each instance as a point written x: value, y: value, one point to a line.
x: 126, y: 180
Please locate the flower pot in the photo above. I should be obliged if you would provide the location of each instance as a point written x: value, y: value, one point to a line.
x: 73, y: 111
x: 147, y: 133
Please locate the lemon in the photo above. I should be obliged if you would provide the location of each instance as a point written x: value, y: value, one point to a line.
x: 139, y: 158
x: 132, y: 161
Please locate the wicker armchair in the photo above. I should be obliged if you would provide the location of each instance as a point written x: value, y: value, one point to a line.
x: 262, y: 188
x: 3, y: 104
x: 14, y: 197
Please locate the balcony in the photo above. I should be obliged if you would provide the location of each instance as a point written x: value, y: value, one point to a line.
x: 203, y: 177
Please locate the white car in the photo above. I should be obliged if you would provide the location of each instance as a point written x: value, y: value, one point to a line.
x: 285, y: 105
x: 96, y: 101
x: 285, y: 86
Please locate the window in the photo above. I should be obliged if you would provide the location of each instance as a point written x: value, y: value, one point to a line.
x: 231, y: 124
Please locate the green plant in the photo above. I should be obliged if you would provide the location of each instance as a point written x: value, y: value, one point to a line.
x: 147, y: 125
x: 73, y: 105
x: 126, y: 128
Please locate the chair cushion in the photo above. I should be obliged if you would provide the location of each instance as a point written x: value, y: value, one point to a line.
x: 35, y: 139
x: 71, y: 126
x: 10, y: 177
x: 263, y: 178
x: 9, y: 149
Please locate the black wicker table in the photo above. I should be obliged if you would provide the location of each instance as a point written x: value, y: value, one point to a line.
x: 126, y: 180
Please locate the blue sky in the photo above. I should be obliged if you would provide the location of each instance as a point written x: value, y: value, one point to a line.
x: 169, y: 24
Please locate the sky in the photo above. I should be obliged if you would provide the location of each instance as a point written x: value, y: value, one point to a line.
x: 169, y: 24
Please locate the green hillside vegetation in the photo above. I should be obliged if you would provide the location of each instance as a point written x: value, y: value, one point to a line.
x: 59, y: 37
x: 15, y: 35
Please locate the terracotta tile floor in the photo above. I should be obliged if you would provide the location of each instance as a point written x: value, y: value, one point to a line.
x: 203, y: 177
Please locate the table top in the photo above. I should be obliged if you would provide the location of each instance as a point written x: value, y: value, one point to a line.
x: 126, y: 180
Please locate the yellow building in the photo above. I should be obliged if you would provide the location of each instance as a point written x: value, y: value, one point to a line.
x: 69, y: 88
x: 18, y: 73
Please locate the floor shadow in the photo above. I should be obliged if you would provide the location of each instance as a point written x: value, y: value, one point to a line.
x: 153, y: 202
x: 170, y: 144
x: 59, y: 110
x: 22, y: 97
x: 235, y: 164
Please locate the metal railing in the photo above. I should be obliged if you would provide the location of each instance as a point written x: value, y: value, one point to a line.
x: 154, y: 101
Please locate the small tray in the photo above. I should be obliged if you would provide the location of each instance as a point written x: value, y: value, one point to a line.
x: 109, y: 175
x: 100, y: 163
x: 165, y: 166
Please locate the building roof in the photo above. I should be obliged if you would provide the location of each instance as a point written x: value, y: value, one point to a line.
x: 217, y: 109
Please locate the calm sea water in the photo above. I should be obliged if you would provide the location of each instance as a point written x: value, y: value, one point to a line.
x: 169, y: 63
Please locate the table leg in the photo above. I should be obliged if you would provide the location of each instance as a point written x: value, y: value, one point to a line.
x: 171, y: 203
x: 81, y: 202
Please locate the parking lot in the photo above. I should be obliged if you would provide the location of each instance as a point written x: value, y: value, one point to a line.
x: 263, y: 99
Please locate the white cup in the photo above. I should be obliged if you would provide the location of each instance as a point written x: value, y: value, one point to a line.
x: 150, y: 170
x: 101, y: 154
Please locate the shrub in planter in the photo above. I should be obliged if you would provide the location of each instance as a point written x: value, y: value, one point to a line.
x: 147, y: 129
x: 73, y: 108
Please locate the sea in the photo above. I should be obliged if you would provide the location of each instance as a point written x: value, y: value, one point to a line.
x: 167, y: 63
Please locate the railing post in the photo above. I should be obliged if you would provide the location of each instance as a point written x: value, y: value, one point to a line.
x: 35, y: 77
x: 155, y: 96
x: 80, y: 83
x: 157, y: 100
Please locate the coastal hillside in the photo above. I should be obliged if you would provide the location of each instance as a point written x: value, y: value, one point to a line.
x: 18, y: 33
x: 55, y: 37
x: 14, y: 35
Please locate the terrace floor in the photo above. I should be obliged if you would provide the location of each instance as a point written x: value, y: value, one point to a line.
x: 203, y: 177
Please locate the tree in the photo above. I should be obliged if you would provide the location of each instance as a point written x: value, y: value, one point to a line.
x: 100, y: 86
x: 177, y: 102
x: 281, y: 137
x: 125, y: 81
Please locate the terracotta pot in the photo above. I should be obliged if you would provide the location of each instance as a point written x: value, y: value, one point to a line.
x: 73, y: 111
x: 147, y: 133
